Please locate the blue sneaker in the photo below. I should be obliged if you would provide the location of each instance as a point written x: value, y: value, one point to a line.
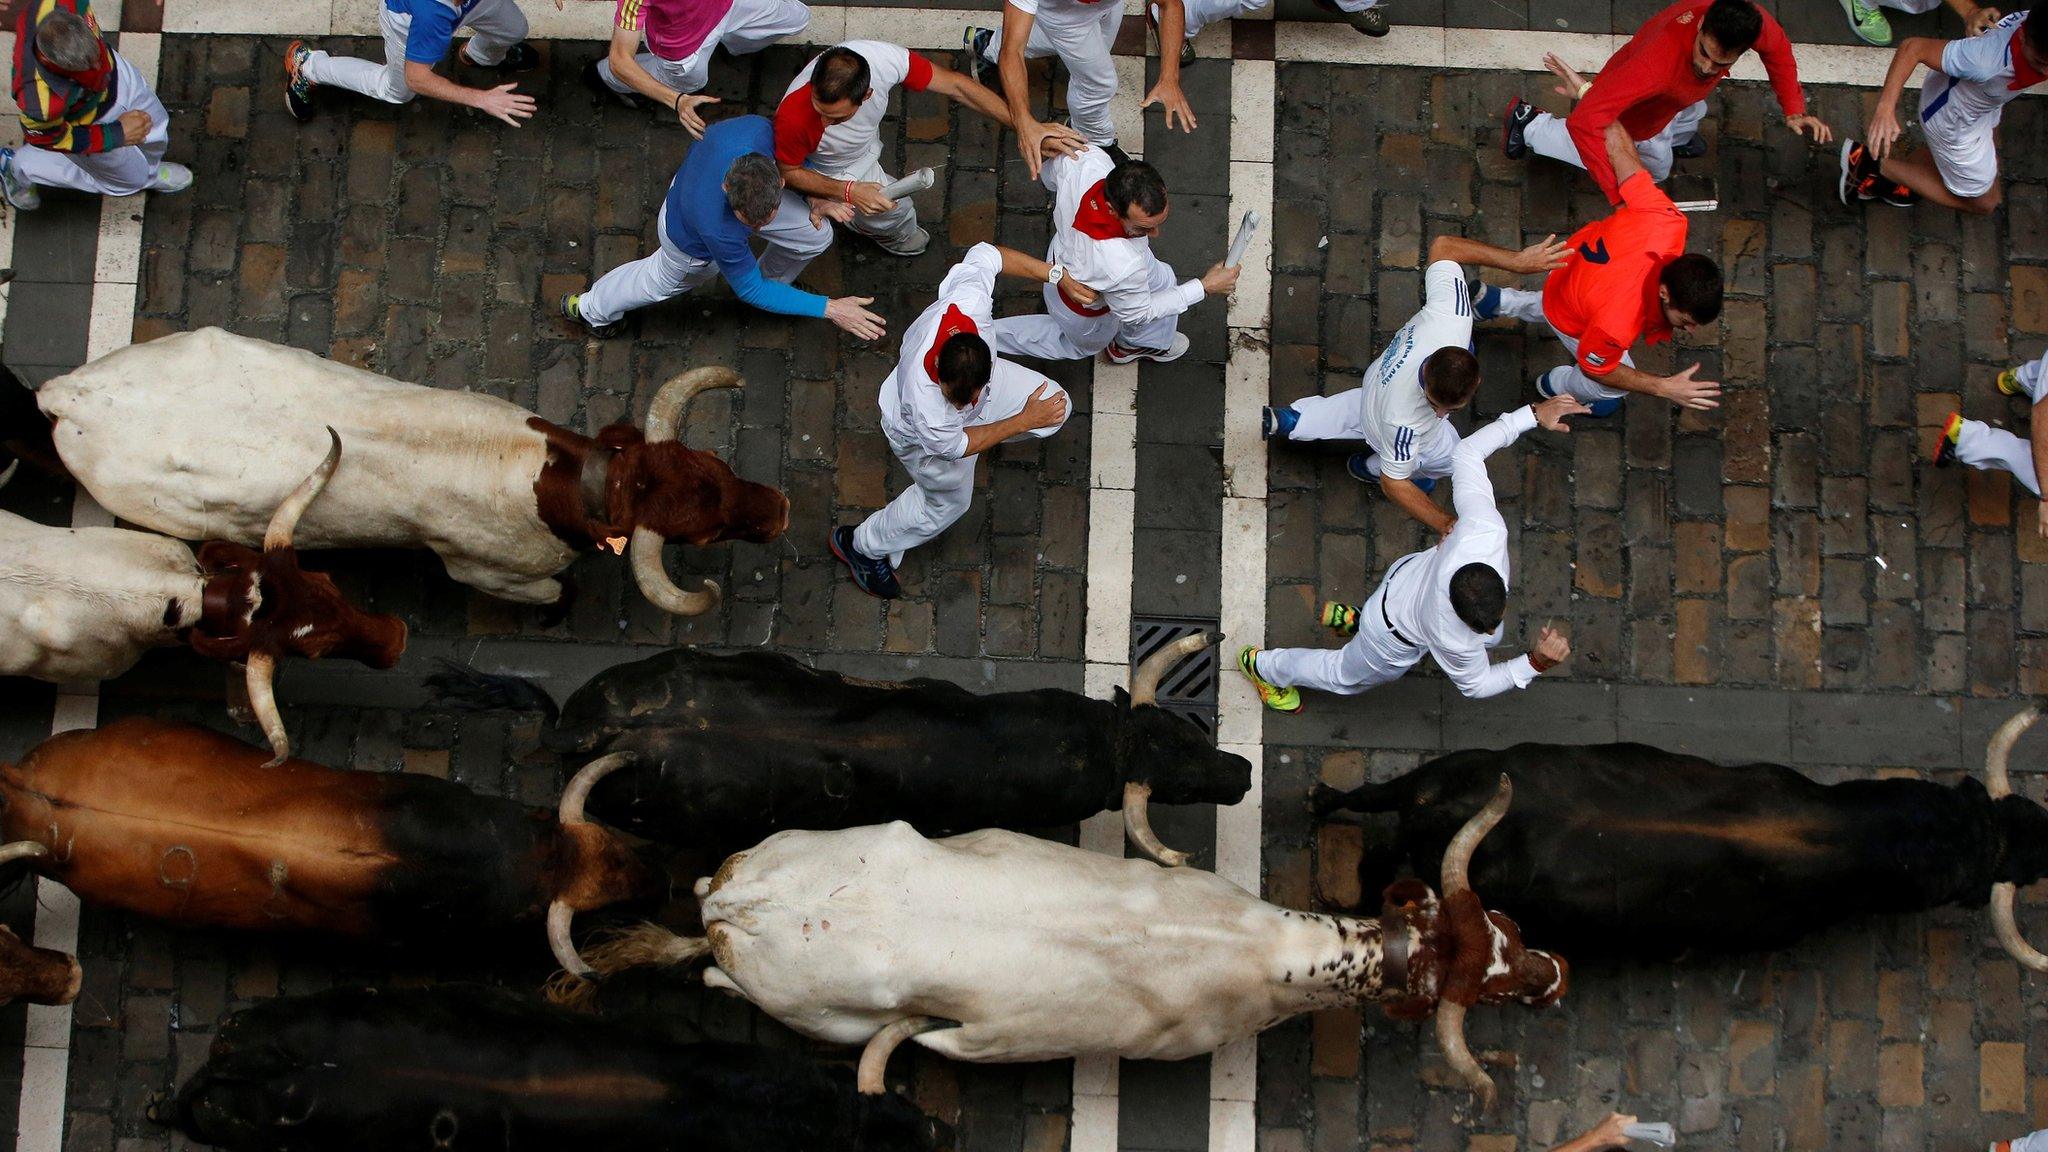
x: 1356, y: 464
x: 871, y: 575
x: 17, y: 191
x: 1277, y: 423
x: 1598, y: 409
x: 974, y: 43
x: 1486, y: 302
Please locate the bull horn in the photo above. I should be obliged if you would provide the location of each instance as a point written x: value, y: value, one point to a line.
x: 1145, y: 678
x: 1458, y: 857
x: 1996, y: 779
x: 559, y: 941
x: 1450, y: 1036
x: 8, y: 472
x: 578, y: 791
x: 874, y: 1059
x: 22, y: 850
x: 674, y: 397
x: 2007, y: 925
x: 1138, y: 826
x: 260, y: 675
x: 285, y: 520
x: 652, y: 576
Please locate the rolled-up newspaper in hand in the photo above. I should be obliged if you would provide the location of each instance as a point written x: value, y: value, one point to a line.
x: 910, y: 185
x: 1242, y: 240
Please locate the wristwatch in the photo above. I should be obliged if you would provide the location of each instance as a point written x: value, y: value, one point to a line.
x: 1055, y: 274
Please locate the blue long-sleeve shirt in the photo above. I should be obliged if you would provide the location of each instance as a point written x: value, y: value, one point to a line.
x: 701, y: 223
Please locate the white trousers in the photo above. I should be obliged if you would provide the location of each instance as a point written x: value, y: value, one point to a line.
x: 1341, y: 417
x: 1548, y: 136
x: 1060, y: 333
x: 749, y: 26
x: 669, y: 271
x: 122, y: 171
x: 1981, y: 446
x: 1081, y: 37
x: 494, y: 26
x: 897, y: 227
x: 941, y: 489
x: 1202, y: 13
x: 1566, y: 379
x: 1371, y: 658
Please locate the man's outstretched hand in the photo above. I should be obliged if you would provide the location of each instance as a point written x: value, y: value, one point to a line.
x: 851, y: 314
x: 1551, y: 413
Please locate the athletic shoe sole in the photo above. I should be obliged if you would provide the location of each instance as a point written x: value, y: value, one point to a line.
x: 832, y: 542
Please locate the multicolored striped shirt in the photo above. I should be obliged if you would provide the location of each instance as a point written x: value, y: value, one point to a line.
x: 61, y: 110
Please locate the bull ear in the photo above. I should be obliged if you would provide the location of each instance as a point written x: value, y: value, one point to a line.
x: 1122, y: 699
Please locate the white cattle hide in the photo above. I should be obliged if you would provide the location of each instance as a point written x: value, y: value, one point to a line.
x: 1040, y: 950
x: 202, y: 434
x: 84, y: 604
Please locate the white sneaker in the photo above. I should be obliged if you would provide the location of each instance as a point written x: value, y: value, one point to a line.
x: 1118, y: 354
x: 172, y: 178
x: 915, y: 247
x: 18, y: 192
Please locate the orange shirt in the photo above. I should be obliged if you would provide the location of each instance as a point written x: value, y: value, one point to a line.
x: 1605, y: 296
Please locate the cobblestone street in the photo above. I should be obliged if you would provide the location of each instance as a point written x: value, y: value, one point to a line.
x: 1786, y: 579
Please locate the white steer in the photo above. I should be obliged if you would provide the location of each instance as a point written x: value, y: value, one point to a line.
x: 997, y: 946
x: 200, y: 434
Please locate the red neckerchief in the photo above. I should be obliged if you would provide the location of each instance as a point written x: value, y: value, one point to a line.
x: 93, y: 79
x: 953, y: 323
x: 1095, y: 218
x: 2024, y: 75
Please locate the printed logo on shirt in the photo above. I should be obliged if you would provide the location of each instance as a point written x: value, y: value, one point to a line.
x: 1595, y: 253
x: 1404, y: 443
x: 1596, y: 360
x: 1685, y: 18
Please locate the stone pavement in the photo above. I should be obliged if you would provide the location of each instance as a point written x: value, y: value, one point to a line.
x: 1720, y: 576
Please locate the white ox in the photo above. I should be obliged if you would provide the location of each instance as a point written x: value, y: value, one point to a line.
x: 84, y: 604
x: 200, y: 434
x: 996, y: 946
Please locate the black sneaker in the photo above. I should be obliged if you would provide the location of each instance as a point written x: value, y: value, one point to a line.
x: 572, y: 307
x: 1896, y: 195
x: 1513, y: 123
x: 1372, y: 21
x: 298, y: 91
x: 974, y: 46
x: 871, y: 575
x: 594, y: 80
x: 520, y: 57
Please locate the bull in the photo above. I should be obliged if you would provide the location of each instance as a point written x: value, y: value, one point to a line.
x: 725, y: 750
x: 1623, y: 848
x: 996, y: 946
x: 183, y: 824
x: 465, y: 1067
x: 80, y: 604
x: 197, y: 435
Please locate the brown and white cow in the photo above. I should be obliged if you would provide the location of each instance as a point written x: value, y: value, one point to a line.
x: 997, y: 946
x: 199, y: 434
x: 82, y: 604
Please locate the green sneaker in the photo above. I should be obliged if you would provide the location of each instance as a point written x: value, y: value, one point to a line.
x: 1271, y: 695
x: 1868, y: 23
x: 1340, y: 618
x: 2009, y: 382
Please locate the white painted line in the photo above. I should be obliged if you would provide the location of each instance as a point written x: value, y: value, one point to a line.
x: 276, y: 18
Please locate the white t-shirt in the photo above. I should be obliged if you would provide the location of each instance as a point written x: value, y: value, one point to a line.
x: 1396, y: 416
x: 845, y: 150
x: 1979, y: 76
x: 1088, y: 239
x: 913, y: 406
x: 1061, y: 7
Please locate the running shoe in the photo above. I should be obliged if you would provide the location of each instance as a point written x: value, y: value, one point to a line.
x: 1945, y: 448
x: 1271, y: 695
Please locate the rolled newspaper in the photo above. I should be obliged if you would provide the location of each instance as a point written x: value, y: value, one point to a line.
x: 1242, y: 240
x: 910, y: 185
x: 1656, y: 1132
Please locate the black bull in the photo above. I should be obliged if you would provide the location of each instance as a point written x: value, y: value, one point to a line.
x: 725, y: 750
x: 466, y: 1067
x: 1627, y: 849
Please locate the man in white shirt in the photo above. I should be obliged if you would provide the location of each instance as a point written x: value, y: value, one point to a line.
x: 1981, y: 446
x: 1447, y: 601
x: 1969, y: 83
x: 948, y: 401
x: 1080, y: 33
x: 828, y: 131
x: 1104, y: 217
x: 1426, y: 373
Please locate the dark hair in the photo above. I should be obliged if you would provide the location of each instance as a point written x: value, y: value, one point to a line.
x: 1734, y: 24
x: 1479, y: 596
x: 1135, y: 184
x: 753, y: 187
x: 2036, y: 31
x: 840, y: 74
x: 1695, y: 284
x: 1450, y: 376
x: 964, y: 367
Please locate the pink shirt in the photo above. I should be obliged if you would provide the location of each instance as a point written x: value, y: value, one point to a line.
x: 675, y: 29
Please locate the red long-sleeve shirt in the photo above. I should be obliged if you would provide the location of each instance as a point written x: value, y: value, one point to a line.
x: 1651, y: 79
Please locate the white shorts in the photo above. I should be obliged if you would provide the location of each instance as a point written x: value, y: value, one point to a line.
x: 1965, y: 151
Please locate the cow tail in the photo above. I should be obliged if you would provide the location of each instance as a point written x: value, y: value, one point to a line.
x: 643, y: 945
x: 465, y: 689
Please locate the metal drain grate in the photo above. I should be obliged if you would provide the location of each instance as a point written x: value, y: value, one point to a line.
x: 1188, y: 689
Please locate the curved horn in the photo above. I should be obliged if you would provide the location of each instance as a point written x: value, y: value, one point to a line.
x: 8, y: 472
x: 578, y: 791
x: 1996, y: 780
x: 1138, y: 826
x: 652, y: 576
x: 669, y: 403
x: 261, y: 675
x: 2007, y: 925
x: 874, y: 1059
x: 1458, y: 857
x: 1145, y: 678
x: 564, y: 948
x: 285, y: 520
x: 22, y: 850
x: 1450, y: 1036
